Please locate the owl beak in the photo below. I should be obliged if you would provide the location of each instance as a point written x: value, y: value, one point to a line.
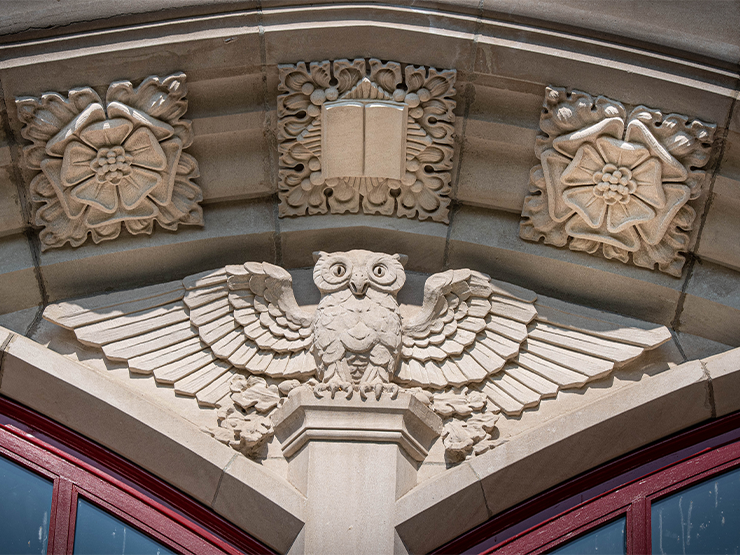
x: 358, y: 286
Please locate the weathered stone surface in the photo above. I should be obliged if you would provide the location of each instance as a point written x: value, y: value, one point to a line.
x: 712, y: 304
x: 720, y: 236
x: 11, y: 213
x: 422, y: 517
x: 19, y: 287
x: 258, y: 500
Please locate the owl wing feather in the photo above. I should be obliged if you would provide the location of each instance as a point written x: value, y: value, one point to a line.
x: 195, y: 334
x: 511, y: 345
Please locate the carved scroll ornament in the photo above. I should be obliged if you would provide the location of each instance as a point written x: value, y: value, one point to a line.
x: 615, y: 183
x: 103, y: 164
x: 236, y: 339
x: 370, y: 135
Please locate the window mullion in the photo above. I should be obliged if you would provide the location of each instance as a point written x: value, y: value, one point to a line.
x: 638, y: 527
x: 61, y: 526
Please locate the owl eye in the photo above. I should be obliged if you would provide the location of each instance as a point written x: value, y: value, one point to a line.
x: 379, y: 270
x: 339, y: 270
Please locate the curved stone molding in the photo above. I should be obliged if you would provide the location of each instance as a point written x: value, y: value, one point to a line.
x: 236, y: 339
x: 573, y: 442
x: 616, y: 183
x: 369, y: 134
x: 109, y: 163
x: 152, y: 436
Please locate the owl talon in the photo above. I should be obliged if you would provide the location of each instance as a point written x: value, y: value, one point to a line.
x: 378, y: 389
x: 366, y: 388
x: 332, y: 387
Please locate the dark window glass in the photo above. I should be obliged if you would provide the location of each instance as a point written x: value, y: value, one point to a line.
x: 608, y: 539
x: 99, y: 533
x: 704, y: 518
x: 25, y: 506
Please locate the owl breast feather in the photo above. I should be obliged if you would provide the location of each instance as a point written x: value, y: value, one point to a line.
x: 345, y: 323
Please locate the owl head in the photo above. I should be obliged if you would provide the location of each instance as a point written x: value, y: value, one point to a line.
x: 359, y: 271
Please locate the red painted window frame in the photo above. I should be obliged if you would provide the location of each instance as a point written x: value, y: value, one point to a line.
x: 79, y: 467
x: 627, y: 487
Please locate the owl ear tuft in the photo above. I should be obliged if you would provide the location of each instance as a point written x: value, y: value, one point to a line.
x: 317, y: 255
x: 402, y: 258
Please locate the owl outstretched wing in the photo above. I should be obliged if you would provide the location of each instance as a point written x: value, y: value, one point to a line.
x: 197, y: 333
x: 517, y: 349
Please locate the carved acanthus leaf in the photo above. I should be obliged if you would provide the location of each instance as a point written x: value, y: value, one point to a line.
x: 107, y: 164
x: 254, y: 392
x: 244, y: 432
x: 458, y: 403
x: 375, y: 140
x: 464, y: 438
x: 616, y: 184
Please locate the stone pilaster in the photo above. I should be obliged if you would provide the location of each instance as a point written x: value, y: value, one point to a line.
x: 352, y: 458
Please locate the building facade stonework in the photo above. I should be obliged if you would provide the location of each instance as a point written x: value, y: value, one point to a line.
x: 388, y: 283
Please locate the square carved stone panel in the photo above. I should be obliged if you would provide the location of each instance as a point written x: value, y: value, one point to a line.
x: 104, y: 164
x: 365, y: 135
x: 615, y: 182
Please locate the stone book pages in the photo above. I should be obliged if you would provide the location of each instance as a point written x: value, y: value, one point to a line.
x: 236, y: 339
x: 365, y: 135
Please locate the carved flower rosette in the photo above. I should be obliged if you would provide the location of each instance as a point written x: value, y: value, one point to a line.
x: 614, y: 183
x: 365, y: 135
x: 103, y: 164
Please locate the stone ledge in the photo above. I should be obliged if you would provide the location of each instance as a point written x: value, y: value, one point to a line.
x: 724, y: 370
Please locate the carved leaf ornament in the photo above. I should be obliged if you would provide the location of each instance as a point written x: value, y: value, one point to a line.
x: 109, y: 163
x: 365, y: 134
x: 235, y: 338
x: 614, y: 183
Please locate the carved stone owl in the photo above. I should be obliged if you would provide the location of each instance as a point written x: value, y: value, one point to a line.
x: 357, y: 325
x: 478, y: 346
x: 470, y: 331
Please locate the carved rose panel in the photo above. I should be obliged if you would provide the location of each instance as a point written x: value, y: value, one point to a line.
x: 615, y: 183
x: 365, y: 134
x: 104, y: 164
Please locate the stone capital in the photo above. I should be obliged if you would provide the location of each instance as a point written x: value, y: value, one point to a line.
x: 404, y: 421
